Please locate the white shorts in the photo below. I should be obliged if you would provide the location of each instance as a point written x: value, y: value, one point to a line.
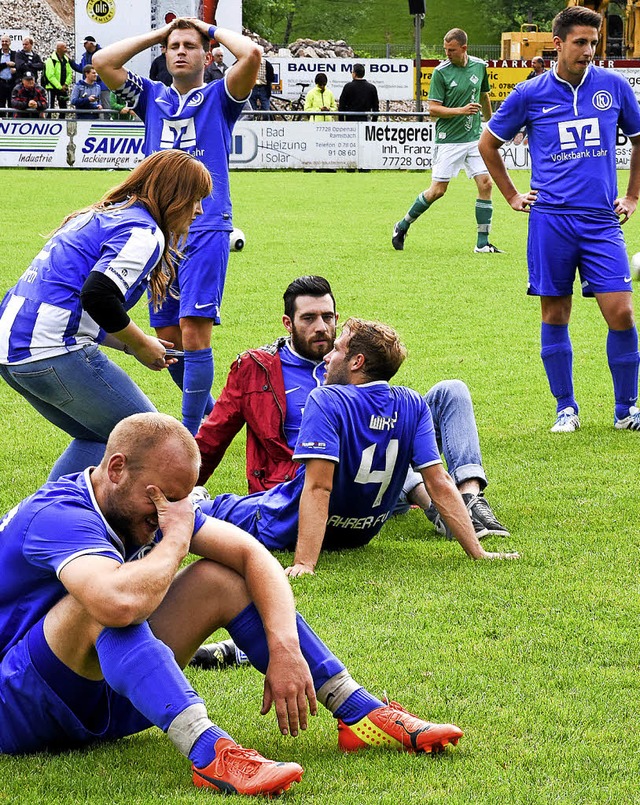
x: 451, y: 158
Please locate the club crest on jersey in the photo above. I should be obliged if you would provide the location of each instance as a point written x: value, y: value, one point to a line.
x: 576, y: 134
x: 602, y: 100
x: 178, y: 134
x: 474, y: 79
x: 196, y: 99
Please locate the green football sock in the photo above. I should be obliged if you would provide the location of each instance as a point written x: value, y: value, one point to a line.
x: 484, y: 213
x: 415, y: 211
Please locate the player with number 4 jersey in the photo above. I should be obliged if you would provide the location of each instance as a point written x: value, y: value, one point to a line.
x: 357, y: 437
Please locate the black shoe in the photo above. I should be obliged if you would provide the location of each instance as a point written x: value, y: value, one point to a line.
x: 213, y: 656
x: 397, y: 241
x: 484, y: 520
x: 434, y: 516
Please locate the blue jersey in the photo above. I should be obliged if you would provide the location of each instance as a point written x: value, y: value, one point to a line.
x: 301, y: 375
x: 199, y: 122
x: 372, y: 432
x: 39, y: 537
x: 572, y: 136
x: 42, y: 316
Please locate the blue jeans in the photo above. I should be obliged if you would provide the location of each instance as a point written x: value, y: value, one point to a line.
x: 84, y: 394
x: 260, y: 98
x: 457, y: 435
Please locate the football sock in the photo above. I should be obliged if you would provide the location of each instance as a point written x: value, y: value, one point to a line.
x: 557, y: 357
x: 622, y: 354
x: 176, y: 370
x: 143, y: 669
x: 484, y: 214
x: 80, y: 454
x: 419, y: 206
x: 337, y: 691
x: 357, y: 706
x: 198, y: 379
x: 248, y: 634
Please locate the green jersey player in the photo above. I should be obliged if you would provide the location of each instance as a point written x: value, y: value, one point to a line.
x: 459, y: 92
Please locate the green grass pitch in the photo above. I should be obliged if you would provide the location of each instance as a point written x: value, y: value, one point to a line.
x: 537, y: 660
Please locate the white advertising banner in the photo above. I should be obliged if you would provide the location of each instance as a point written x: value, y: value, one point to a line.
x: 70, y: 144
x: 109, y: 21
x: 256, y: 145
x: 394, y: 78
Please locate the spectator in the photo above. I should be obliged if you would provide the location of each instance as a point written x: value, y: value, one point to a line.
x: 260, y: 97
x: 91, y: 47
x: 27, y: 60
x: 537, y: 63
x: 57, y: 76
x: 320, y: 99
x: 28, y: 97
x: 86, y: 93
x: 120, y: 110
x: 158, y: 71
x: 7, y: 70
x: 358, y: 95
x: 217, y: 68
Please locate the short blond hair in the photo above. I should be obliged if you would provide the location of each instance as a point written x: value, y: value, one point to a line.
x: 139, y: 434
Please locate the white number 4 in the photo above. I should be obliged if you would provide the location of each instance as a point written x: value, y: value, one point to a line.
x: 383, y: 477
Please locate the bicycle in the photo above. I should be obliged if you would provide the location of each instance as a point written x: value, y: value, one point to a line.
x: 282, y: 104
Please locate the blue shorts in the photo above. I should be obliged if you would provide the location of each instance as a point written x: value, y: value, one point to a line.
x: 34, y: 718
x: 200, y: 280
x: 558, y: 244
x: 271, y: 517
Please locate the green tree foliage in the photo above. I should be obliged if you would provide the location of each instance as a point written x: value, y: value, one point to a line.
x: 509, y: 15
x: 286, y: 20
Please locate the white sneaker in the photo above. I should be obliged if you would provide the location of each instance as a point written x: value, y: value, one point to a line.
x: 488, y: 249
x: 567, y: 421
x: 199, y: 493
x: 630, y: 422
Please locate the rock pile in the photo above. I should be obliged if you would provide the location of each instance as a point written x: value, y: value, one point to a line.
x: 46, y: 22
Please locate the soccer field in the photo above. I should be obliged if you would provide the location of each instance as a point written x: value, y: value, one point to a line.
x: 536, y: 660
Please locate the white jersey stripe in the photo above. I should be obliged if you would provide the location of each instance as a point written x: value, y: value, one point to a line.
x: 6, y: 324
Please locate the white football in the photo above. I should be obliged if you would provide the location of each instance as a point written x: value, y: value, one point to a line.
x: 237, y: 240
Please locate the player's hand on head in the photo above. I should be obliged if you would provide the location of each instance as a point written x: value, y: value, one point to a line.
x: 175, y: 518
x: 288, y: 686
x: 293, y: 571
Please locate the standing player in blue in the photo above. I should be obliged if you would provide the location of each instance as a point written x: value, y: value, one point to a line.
x: 75, y: 296
x: 571, y: 114
x: 198, y: 118
x: 357, y: 437
x: 97, y: 620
